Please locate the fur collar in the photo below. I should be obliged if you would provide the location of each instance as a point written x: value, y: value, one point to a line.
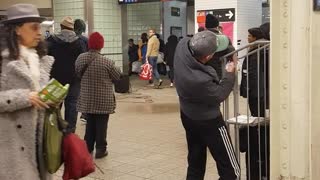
x: 21, y: 69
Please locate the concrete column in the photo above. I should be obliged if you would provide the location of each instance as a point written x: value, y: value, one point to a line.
x: 290, y: 89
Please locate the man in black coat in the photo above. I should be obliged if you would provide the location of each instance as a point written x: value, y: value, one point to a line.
x: 255, y: 81
x: 65, y: 47
x: 212, y: 24
x: 133, y: 54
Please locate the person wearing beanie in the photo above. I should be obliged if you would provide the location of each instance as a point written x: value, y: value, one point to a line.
x: 211, y: 21
x: 79, y: 29
x: 257, y: 86
x: 212, y: 24
x: 65, y: 47
x: 200, y: 94
x: 97, y: 74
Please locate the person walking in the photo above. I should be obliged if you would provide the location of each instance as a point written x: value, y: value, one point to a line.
x: 96, y: 98
x: 25, y: 68
x: 152, y: 55
x: 200, y: 93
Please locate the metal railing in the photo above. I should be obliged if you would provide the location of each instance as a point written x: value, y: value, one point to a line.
x: 250, y: 132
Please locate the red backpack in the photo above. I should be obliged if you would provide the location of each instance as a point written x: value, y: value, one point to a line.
x: 146, y: 71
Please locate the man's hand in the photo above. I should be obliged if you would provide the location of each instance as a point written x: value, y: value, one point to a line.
x: 232, y: 65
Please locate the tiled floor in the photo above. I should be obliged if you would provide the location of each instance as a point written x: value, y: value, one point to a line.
x: 146, y: 139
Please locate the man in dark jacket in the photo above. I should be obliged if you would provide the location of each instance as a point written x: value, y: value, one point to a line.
x: 212, y: 24
x: 200, y: 94
x: 65, y: 47
x: 133, y: 54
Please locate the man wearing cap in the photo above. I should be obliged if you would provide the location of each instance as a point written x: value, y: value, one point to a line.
x: 200, y: 94
x: 66, y: 46
x: 212, y: 24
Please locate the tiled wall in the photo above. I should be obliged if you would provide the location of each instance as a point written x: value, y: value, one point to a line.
x: 141, y: 17
x: 107, y: 21
x: 62, y: 8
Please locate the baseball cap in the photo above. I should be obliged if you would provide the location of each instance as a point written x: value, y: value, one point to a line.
x: 203, y: 44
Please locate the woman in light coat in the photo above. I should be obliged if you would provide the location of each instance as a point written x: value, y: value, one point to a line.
x: 24, y: 70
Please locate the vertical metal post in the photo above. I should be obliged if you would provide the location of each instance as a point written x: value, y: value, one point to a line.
x: 259, y: 112
x: 248, y: 123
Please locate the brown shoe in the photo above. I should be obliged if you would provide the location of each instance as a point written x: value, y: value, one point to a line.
x: 101, y: 155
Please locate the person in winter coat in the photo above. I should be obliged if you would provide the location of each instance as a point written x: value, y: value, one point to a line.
x: 152, y: 55
x: 96, y: 98
x: 212, y: 24
x: 256, y: 87
x: 25, y: 68
x: 200, y: 94
x: 170, y: 49
x: 65, y: 47
x: 79, y: 29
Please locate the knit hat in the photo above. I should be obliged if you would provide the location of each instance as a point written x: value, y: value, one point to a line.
x: 256, y: 32
x: 79, y: 26
x: 67, y: 22
x: 96, y: 41
x: 203, y: 44
x: 211, y: 21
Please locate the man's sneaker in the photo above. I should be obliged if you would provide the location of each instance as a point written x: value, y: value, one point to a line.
x: 171, y: 84
x: 160, y: 82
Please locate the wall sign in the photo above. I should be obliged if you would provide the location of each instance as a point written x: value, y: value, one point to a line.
x: 223, y: 15
x: 175, y: 11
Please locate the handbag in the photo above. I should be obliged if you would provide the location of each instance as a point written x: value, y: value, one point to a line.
x: 54, y: 126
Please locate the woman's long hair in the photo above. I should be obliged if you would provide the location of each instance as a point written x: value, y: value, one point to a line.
x: 9, y: 40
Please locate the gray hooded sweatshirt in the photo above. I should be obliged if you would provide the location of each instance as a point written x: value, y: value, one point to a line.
x: 199, y: 89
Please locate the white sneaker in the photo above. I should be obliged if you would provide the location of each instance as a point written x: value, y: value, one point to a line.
x: 160, y: 82
x: 151, y: 85
x: 171, y: 84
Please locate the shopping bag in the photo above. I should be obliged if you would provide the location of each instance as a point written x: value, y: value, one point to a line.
x: 146, y: 71
x: 78, y: 162
x: 52, y: 140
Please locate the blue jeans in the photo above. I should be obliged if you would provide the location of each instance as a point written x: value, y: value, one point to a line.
x: 70, y: 103
x: 153, y: 61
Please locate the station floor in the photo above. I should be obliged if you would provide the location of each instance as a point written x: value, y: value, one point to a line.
x: 146, y: 140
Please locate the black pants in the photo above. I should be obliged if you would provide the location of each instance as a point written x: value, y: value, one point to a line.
x: 171, y: 74
x: 259, y: 158
x: 70, y: 103
x: 212, y: 134
x: 96, y: 132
